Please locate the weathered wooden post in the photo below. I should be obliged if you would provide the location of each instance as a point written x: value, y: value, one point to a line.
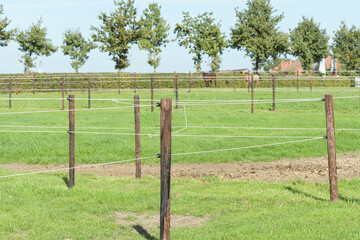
x: 330, y: 130
x: 82, y: 84
x: 10, y: 92
x: 165, y: 143
x: 63, y: 94
x: 134, y: 82
x: 71, y: 141
x: 189, y: 81
x: 297, y: 80
x: 234, y: 81
x: 89, y: 90
x: 310, y: 80
x: 273, y: 78
x: 137, y: 136
x: 152, y: 94
x: 252, y: 93
x: 176, y: 91
x: 16, y: 85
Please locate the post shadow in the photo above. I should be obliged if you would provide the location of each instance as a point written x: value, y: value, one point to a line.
x: 143, y: 232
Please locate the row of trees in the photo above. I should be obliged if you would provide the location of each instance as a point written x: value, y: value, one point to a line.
x: 256, y: 32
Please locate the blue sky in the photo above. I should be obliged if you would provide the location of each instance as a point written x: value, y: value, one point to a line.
x: 60, y: 15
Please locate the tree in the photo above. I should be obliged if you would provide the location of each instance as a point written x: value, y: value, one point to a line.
x: 202, y: 36
x: 309, y: 43
x: 256, y: 32
x: 33, y: 43
x: 75, y: 45
x: 5, y: 35
x: 346, y: 47
x: 117, y: 32
x: 154, y: 34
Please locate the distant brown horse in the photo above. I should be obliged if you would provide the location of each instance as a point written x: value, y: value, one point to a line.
x: 248, y: 79
x: 208, y: 78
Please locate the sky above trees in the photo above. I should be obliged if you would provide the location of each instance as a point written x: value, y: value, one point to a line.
x: 59, y: 16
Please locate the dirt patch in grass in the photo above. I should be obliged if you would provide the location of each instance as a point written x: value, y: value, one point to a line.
x: 149, y: 220
x: 308, y: 169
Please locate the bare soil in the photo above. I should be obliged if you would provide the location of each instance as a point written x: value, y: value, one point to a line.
x: 308, y: 169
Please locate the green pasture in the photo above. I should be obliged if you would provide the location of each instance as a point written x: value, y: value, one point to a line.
x: 203, y: 109
x: 42, y: 207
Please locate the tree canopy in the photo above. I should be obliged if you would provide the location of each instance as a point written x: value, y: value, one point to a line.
x: 5, y: 33
x: 75, y: 45
x: 256, y: 32
x: 154, y: 34
x: 309, y: 43
x: 346, y: 47
x: 202, y: 36
x: 33, y: 43
x: 118, y: 30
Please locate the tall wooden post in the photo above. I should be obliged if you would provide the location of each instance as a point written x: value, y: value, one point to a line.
x: 273, y: 78
x: 152, y: 94
x: 89, y: 90
x: 176, y: 91
x: 252, y: 93
x: 118, y: 82
x: 310, y: 80
x: 137, y: 136
x: 71, y: 140
x: 10, y: 92
x: 165, y: 143
x: 189, y: 81
x: 297, y: 80
x: 134, y: 82
x: 82, y: 84
x: 330, y: 129
x: 16, y: 85
x: 234, y: 81
x: 63, y: 94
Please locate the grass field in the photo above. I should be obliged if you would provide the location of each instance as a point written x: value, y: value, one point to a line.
x: 41, y: 206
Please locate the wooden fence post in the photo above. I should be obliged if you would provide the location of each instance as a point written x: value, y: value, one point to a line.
x: 252, y: 93
x: 330, y: 130
x: 152, y: 94
x: 310, y: 80
x: 17, y: 89
x: 63, y: 94
x: 189, y: 81
x: 89, y: 90
x: 273, y: 78
x: 71, y: 140
x: 176, y: 91
x: 118, y: 82
x: 297, y: 80
x: 165, y: 143
x: 82, y: 84
x: 10, y: 92
x: 137, y: 136
x: 134, y: 82
x: 234, y: 81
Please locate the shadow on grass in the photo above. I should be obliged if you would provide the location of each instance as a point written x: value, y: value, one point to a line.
x: 305, y: 194
x: 66, y: 181
x: 143, y: 232
x: 349, y: 199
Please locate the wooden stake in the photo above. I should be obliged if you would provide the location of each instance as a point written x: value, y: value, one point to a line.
x: 152, y: 94
x: 273, y: 78
x: 89, y: 90
x: 71, y: 140
x: 10, y: 92
x: 252, y: 93
x: 330, y: 129
x: 137, y: 136
x: 63, y: 94
x: 165, y: 138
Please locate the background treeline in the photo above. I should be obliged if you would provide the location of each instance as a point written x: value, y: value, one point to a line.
x: 256, y: 32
